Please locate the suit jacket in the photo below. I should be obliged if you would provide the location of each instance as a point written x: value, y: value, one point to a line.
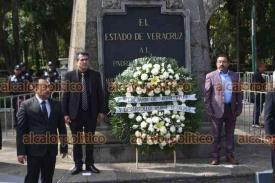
x: 269, y: 113
x: 33, y: 122
x: 71, y: 100
x: 0, y: 135
x: 214, y: 94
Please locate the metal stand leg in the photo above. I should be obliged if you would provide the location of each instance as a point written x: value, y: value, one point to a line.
x: 175, y: 158
x: 136, y: 158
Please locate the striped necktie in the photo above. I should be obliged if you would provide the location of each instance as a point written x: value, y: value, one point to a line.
x: 84, y: 93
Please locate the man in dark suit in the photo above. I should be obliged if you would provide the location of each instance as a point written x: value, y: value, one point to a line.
x: 40, y: 125
x: 223, y: 101
x: 0, y: 135
x: 269, y: 119
x: 83, y: 109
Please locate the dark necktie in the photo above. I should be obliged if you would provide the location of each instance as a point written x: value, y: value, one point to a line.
x: 44, y: 109
x: 84, y: 93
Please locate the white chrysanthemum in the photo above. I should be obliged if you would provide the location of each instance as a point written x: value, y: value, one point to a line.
x: 145, y: 114
x: 151, y: 128
x: 167, y: 92
x: 144, y: 77
x: 136, y: 74
x: 143, y: 136
x: 135, y: 126
x: 155, y: 119
x: 139, y: 141
x: 157, y: 66
x: 144, y: 90
x: 143, y: 124
x: 163, y: 130
x: 154, y: 112
x: 160, y: 113
x: 138, y: 105
x: 177, y: 77
x: 157, y: 90
x: 180, y: 130
x: 167, y: 120
x: 170, y: 77
x: 182, y: 118
x: 138, y: 90
x: 149, y: 120
x: 172, y: 129
x: 155, y: 71
x: 149, y: 141
x: 167, y: 112
x: 165, y: 75
x: 151, y: 93
x: 171, y: 71
x: 145, y: 67
x: 168, y: 135
x: 137, y: 134
x: 131, y: 116
x: 138, y: 118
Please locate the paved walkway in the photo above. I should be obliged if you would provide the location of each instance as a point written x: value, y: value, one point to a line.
x: 252, y: 158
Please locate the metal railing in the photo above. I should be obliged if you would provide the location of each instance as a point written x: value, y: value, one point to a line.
x: 8, y: 107
x: 244, y: 120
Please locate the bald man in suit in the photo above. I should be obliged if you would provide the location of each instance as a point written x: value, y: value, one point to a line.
x: 40, y: 117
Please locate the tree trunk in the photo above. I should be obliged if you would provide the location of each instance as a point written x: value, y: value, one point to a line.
x: 15, y: 31
x: 4, y: 44
x: 50, y: 45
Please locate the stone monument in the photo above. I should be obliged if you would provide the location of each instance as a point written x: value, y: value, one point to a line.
x: 117, y: 31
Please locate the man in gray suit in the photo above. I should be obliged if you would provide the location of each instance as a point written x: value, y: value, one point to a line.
x: 40, y: 126
x: 223, y: 101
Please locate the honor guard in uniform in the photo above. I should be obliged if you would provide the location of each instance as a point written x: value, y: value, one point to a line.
x: 51, y: 73
x: 25, y: 74
x: 16, y: 82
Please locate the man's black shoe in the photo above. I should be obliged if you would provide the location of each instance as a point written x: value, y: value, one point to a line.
x: 92, y: 169
x: 76, y: 170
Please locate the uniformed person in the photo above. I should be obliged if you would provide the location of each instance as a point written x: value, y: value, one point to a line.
x: 16, y: 81
x: 51, y: 73
x: 26, y: 75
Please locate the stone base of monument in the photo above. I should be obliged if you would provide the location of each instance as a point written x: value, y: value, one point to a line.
x: 115, y: 151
